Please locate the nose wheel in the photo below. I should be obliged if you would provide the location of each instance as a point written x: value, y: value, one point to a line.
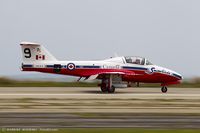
x: 164, y: 89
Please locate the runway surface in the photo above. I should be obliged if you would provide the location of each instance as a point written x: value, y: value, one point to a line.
x: 88, y: 107
x: 63, y: 120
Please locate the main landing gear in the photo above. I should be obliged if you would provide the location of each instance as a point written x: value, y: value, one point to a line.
x: 108, y: 89
x: 106, y: 85
x: 164, y: 89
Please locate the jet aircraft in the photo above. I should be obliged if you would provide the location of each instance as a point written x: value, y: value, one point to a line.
x: 113, y: 72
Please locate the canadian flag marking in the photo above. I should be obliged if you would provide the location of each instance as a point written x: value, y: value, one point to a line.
x: 40, y: 57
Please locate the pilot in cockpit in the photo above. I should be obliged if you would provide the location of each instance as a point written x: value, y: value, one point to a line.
x: 137, y: 61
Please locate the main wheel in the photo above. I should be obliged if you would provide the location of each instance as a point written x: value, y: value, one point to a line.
x: 104, y: 89
x: 164, y: 89
x: 111, y: 89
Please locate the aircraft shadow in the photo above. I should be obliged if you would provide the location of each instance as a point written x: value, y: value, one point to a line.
x: 99, y: 92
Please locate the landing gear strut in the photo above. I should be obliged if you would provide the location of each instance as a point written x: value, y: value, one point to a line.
x: 164, y: 89
x: 106, y: 85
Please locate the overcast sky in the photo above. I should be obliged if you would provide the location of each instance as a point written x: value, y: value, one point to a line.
x: 167, y: 32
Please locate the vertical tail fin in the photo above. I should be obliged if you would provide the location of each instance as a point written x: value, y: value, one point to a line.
x: 33, y: 52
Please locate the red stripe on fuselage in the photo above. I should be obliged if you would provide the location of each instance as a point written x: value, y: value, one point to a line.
x: 140, y: 75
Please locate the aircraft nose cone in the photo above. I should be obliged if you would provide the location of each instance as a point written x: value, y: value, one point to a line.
x: 180, y: 77
x: 175, y: 75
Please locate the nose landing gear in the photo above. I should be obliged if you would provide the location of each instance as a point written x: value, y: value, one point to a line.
x: 164, y: 89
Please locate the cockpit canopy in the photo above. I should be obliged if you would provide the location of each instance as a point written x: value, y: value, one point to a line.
x: 137, y: 60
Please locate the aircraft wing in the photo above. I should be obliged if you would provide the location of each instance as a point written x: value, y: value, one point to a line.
x: 95, y: 76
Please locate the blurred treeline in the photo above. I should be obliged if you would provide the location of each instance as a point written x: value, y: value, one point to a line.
x: 5, y: 82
